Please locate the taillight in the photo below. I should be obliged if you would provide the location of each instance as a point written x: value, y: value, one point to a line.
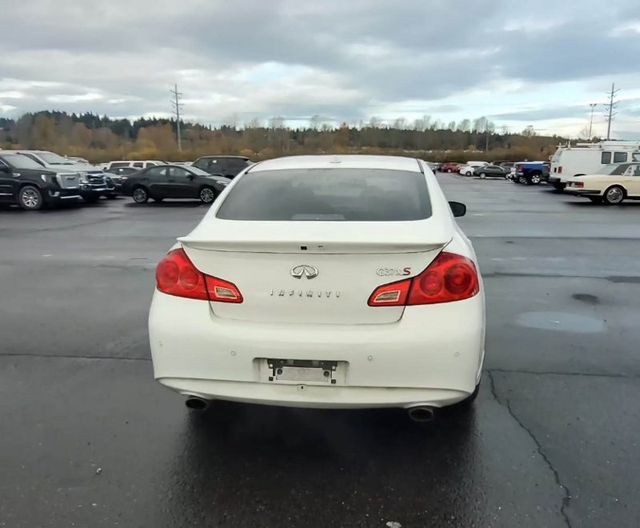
x: 394, y: 294
x: 176, y: 275
x: 559, y: 170
x: 579, y: 185
x: 448, y: 278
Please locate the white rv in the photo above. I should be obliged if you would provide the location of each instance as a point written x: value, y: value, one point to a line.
x: 589, y: 158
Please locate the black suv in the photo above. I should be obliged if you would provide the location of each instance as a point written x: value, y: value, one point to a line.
x: 26, y: 183
x: 228, y: 166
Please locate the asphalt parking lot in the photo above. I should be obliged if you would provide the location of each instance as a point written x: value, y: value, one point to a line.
x: 88, y: 439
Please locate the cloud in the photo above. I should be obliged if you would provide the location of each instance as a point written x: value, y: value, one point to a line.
x: 344, y: 60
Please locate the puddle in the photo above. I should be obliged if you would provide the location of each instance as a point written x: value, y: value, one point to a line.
x: 586, y: 298
x: 561, y: 321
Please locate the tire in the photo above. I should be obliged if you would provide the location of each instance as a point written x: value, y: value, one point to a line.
x: 559, y: 186
x: 449, y: 171
x: 468, y: 173
x: 30, y: 198
x: 523, y: 180
x: 140, y: 195
x: 535, y: 179
x: 207, y: 195
x: 614, y: 195
x: 482, y: 175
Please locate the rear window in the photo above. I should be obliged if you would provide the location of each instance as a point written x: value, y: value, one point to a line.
x: 332, y: 195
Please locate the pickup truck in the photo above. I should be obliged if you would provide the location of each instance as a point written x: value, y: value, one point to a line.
x: 530, y: 172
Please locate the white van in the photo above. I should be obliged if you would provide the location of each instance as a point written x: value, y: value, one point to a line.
x: 589, y: 158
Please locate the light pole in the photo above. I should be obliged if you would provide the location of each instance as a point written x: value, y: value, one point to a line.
x: 593, y: 106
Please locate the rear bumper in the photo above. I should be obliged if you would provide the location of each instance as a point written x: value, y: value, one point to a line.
x: 432, y: 356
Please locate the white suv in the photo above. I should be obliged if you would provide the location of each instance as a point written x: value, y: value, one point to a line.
x: 109, y: 167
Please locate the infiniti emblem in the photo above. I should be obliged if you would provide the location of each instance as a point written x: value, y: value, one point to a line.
x: 310, y: 272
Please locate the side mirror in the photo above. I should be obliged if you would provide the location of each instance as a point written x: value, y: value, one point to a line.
x: 458, y: 209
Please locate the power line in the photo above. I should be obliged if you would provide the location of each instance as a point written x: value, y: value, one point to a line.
x: 611, y: 105
x: 177, y: 105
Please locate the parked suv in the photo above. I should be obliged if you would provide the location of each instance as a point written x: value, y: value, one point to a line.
x: 93, y: 181
x: 26, y: 183
x: 228, y: 166
x: 139, y: 165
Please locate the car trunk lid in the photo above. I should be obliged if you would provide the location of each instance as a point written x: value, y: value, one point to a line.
x: 313, y: 272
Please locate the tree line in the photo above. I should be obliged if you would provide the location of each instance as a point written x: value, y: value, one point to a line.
x: 100, y: 138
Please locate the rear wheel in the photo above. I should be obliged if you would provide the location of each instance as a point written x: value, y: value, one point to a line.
x: 207, y: 195
x: 535, y: 179
x: 483, y: 175
x: 523, y: 180
x: 559, y: 186
x: 30, y: 198
x: 614, y: 195
x: 140, y: 195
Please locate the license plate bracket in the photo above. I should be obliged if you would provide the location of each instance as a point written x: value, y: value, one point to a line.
x: 302, y: 370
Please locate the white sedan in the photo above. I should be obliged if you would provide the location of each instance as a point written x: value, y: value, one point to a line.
x: 323, y: 281
x: 622, y: 182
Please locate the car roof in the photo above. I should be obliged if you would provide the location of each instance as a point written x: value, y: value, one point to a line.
x: 225, y: 157
x: 339, y: 161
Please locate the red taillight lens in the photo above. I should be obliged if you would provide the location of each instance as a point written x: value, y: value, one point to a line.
x: 448, y: 278
x: 176, y: 275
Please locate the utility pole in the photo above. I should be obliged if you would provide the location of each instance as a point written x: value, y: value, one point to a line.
x: 612, y: 106
x: 592, y: 105
x: 177, y: 105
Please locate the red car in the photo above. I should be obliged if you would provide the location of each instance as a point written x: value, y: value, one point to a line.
x: 450, y: 166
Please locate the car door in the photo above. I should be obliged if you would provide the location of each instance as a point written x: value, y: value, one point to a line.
x: 7, y: 183
x: 156, y: 180
x: 633, y: 182
x: 181, y: 183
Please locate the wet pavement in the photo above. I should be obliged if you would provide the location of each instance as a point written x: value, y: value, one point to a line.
x: 87, y: 438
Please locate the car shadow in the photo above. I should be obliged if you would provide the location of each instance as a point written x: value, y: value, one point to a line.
x: 165, y: 204
x: 268, y: 456
x: 589, y: 203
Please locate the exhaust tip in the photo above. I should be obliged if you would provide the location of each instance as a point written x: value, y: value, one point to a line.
x: 196, y: 404
x: 421, y: 413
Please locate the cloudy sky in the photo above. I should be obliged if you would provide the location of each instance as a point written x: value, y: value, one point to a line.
x: 538, y: 63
